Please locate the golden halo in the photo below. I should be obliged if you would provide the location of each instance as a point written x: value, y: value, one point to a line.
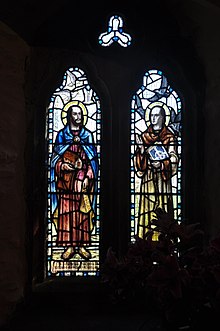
x: 156, y: 104
x: 74, y: 103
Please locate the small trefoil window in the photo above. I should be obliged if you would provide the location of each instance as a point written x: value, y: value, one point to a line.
x: 115, y: 33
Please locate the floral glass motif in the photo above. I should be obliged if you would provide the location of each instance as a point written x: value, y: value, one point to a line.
x: 115, y: 33
x: 155, y: 153
x: 73, y: 134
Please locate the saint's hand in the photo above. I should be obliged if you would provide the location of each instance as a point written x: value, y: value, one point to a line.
x: 156, y: 164
x: 67, y: 166
x: 85, y: 184
x: 78, y: 164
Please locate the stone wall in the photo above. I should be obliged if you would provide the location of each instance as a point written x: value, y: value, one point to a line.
x: 13, y: 264
x: 200, y: 22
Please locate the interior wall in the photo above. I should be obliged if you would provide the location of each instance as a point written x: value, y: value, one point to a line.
x: 13, y: 55
x: 200, y: 24
x: 209, y: 49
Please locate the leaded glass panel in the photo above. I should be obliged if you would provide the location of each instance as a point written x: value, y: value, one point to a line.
x: 155, y: 153
x: 115, y: 33
x: 73, y: 134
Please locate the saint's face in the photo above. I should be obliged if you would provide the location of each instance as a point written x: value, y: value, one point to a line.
x: 156, y: 118
x: 76, y: 116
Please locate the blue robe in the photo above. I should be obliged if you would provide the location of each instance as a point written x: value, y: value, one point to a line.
x: 64, y: 140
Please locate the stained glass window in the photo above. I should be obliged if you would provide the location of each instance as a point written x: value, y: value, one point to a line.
x: 73, y: 134
x: 155, y: 153
x: 115, y: 33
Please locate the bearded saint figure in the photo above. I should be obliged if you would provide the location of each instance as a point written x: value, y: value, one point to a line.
x: 74, y: 169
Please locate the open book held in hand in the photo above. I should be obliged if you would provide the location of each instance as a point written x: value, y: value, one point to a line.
x: 158, y: 153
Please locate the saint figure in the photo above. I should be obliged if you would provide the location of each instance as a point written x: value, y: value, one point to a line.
x: 74, y: 169
x: 155, y: 162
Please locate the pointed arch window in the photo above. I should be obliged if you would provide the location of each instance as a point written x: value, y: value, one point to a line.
x: 142, y: 141
x: 73, y: 135
x: 155, y: 153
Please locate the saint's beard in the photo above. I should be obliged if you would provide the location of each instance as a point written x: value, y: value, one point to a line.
x: 74, y: 123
